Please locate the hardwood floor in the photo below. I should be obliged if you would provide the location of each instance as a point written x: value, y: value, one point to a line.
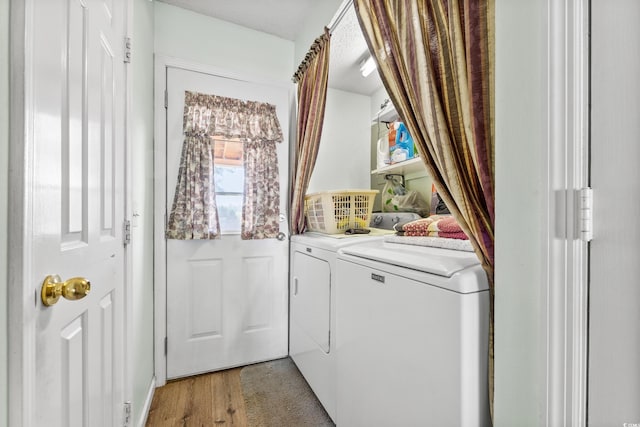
x: 205, y: 400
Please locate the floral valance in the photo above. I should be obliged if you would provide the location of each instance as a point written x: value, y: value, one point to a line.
x: 214, y: 115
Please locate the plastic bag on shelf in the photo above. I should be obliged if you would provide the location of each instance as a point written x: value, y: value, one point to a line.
x: 396, y: 198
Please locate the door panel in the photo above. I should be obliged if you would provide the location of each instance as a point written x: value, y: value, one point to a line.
x: 76, y: 111
x: 73, y: 339
x: 614, y: 318
x: 226, y: 298
x: 257, y: 293
x: 205, y: 298
x: 74, y: 141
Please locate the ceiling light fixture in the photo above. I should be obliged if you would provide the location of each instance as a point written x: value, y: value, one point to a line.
x: 367, y: 66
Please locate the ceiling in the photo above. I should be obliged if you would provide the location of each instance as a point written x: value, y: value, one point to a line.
x: 285, y: 19
x: 282, y: 18
x: 348, y: 50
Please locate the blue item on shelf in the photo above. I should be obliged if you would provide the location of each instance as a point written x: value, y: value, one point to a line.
x: 401, y: 145
x: 404, y: 140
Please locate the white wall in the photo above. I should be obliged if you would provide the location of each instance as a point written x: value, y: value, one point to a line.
x: 191, y: 36
x: 141, y: 146
x: 377, y: 99
x: 520, y: 126
x: 343, y: 155
x: 4, y: 148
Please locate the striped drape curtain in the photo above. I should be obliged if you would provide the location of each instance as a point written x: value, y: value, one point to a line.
x: 311, y: 77
x: 436, y: 60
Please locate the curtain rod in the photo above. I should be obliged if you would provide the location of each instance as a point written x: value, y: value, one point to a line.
x: 342, y: 11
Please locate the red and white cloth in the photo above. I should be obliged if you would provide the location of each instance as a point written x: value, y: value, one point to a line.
x: 435, y: 226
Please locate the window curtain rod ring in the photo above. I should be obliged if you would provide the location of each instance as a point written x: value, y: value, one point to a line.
x: 313, y: 52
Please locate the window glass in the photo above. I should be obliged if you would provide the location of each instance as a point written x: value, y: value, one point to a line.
x: 229, y: 188
x: 229, y: 179
x: 229, y: 212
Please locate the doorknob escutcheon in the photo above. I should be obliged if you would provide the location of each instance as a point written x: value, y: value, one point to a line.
x: 73, y: 289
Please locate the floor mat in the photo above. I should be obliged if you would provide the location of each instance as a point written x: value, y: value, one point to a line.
x: 276, y: 395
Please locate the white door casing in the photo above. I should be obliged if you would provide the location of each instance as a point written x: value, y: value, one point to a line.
x: 590, y: 301
x: 226, y: 299
x: 565, y: 256
x: 68, y: 139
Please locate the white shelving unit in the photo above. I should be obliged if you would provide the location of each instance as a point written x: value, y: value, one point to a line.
x: 403, y: 168
x: 386, y: 115
x: 415, y: 165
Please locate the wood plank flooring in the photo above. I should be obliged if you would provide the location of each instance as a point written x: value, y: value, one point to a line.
x: 205, y: 400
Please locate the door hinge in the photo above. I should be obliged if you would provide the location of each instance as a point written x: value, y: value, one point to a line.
x: 127, y: 50
x: 585, y: 214
x: 126, y: 232
x: 166, y: 99
x: 166, y: 344
x: 127, y: 414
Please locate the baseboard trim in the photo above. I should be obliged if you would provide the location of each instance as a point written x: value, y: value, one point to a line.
x: 144, y: 414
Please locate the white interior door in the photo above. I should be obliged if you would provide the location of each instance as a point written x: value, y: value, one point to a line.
x: 614, y: 294
x: 75, y: 124
x: 226, y: 298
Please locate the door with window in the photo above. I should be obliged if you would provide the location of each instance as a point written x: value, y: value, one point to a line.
x: 226, y: 297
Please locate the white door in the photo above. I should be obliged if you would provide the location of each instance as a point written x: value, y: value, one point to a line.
x: 74, y: 105
x: 614, y: 294
x: 226, y: 298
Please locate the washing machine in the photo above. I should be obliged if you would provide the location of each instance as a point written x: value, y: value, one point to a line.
x: 413, y: 337
x: 312, y: 326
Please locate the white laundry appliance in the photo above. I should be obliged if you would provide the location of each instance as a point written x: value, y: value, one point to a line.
x: 413, y: 337
x: 312, y: 331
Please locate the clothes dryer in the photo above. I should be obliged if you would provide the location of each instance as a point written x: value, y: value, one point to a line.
x: 312, y: 328
x: 413, y: 337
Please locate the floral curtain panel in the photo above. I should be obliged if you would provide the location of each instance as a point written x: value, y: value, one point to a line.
x: 312, y: 78
x: 261, y: 205
x: 194, y: 213
x: 436, y: 60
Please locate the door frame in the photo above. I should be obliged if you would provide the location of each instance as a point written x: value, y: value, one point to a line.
x: 565, y: 257
x: 22, y: 297
x: 162, y: 62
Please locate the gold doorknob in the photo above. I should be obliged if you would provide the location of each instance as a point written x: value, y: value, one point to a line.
x: 53, y: 288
